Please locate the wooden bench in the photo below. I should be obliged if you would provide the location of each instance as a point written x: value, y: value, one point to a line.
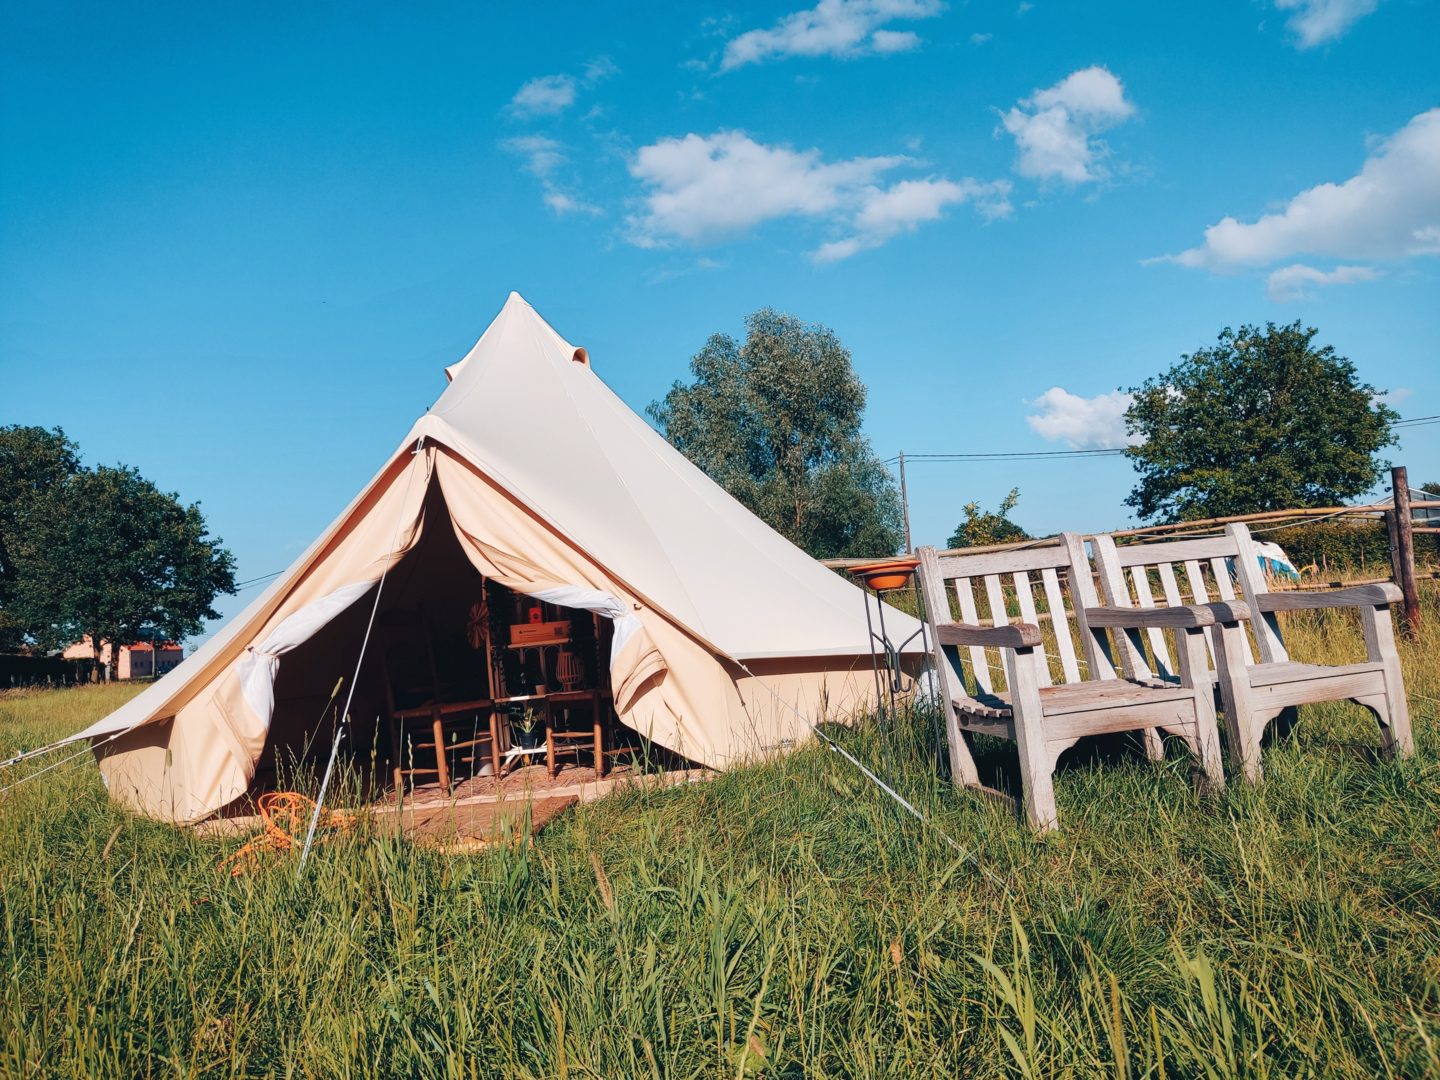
x: 1253, y: 691
x: 1054, y: 692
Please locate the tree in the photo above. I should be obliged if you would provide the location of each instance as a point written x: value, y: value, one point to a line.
x: 776, y: 423
x: 1263, y: 420
x: 32, y: 460
x: 107, y: 554
x: 988, y: 527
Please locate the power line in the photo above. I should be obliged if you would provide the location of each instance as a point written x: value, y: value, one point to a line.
x: 993, y: 455
x: 1106, y: 451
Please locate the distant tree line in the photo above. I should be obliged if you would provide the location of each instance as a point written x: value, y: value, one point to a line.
x: 1263, y: 419
x: 98, y: 552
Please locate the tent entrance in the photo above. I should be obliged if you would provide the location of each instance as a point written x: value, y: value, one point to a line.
x: 503, y: 682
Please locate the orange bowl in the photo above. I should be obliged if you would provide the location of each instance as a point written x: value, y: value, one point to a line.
x: 886, y: 575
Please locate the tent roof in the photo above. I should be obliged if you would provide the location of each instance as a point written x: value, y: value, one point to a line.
x: 527, y: 409
x: 529, y: 414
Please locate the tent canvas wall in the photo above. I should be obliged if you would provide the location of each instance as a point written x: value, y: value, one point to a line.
x: 728, y: 640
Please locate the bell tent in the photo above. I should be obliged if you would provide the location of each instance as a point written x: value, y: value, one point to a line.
x: 530, y: 475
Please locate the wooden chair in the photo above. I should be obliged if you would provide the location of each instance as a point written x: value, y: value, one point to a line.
x: 1044, y: 717
x: 564, y: 736
x: 444, y: 733
x: 1253, y: 692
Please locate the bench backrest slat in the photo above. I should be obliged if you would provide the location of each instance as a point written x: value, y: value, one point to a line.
x: 1031, y: 585
x: 1065, y: 645
x: 1253, y: 585
x: 978, y: 661
x: 1140, y: 575
x: 1025, y: 600
x: 1212, y: 567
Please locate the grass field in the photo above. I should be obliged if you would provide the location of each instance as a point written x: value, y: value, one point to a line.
x: 781, y: 920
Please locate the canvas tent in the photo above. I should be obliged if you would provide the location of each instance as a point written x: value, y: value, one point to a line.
x: 728, y: 641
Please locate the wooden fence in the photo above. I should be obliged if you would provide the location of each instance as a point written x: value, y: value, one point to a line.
x: 18, y: 670
x: 1399, y: 514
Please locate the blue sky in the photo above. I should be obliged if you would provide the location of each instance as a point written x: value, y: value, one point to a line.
x: 237, y: 251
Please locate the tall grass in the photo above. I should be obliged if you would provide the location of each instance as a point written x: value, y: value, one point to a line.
x: 781, y: 920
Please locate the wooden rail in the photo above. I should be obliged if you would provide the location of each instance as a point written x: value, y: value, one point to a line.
x: 1397, y: 513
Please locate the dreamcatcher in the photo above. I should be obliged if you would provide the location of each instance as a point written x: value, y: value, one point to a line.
x: 477, y: 630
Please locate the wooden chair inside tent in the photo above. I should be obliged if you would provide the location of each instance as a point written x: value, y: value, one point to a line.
x: 1045, y: 690
x: 575, y: 723
x: 429, y: 735
x: 1253, y: 690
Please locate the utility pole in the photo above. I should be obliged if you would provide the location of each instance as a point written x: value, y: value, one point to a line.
x: 1402, y: 548
x: 905, y: 504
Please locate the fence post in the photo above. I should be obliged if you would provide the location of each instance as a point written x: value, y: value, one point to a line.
x: 1402, y: 548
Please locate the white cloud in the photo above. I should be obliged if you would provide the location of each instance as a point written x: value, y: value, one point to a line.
x: 705, y: 187
x: 904, y: 206
x: 893, y: 41
x: 543, y: 158
x: 1055, y: 129
x: 563, y: 203
x: 1083, y: 423
x: 980, y: 39
x: 545, y: 96
x: 831, y: 28
x: 599, y: 69
x: 542, y: 155
x: 550, y: 95
x: 1318, y: 21
x: 1389, y: 210
x: 702, y: 186
x: 1298, y: 281
x: 1394, y: 397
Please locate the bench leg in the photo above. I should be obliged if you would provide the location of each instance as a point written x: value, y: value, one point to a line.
x: 1238, y: 702
x: 1396, y: 738
x: 1154, y: 744
x: 1190, y: 644
x: 1037, y: 761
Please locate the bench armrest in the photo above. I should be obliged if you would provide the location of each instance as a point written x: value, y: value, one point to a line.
x: 1188, y: 617
x: 1355, y: 596
x: 1230, y: 611
x: 1013, y: 636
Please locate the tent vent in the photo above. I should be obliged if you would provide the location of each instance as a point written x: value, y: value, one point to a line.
x: 581, y: 357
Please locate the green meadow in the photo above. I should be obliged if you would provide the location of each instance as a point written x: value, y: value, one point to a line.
x: 782, y: 920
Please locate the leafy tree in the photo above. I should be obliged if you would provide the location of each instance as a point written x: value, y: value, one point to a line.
x: 1262, y: 420
x: 32, y: 460
x: 988, y: 527
x: 107, y: 554
x: 1432, y: 488
x: 776, y: 423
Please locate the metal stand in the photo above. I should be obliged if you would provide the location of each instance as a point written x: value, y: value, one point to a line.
x: 896, y: 684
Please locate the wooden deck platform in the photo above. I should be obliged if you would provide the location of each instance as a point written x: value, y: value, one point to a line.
x: 481, y: 811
